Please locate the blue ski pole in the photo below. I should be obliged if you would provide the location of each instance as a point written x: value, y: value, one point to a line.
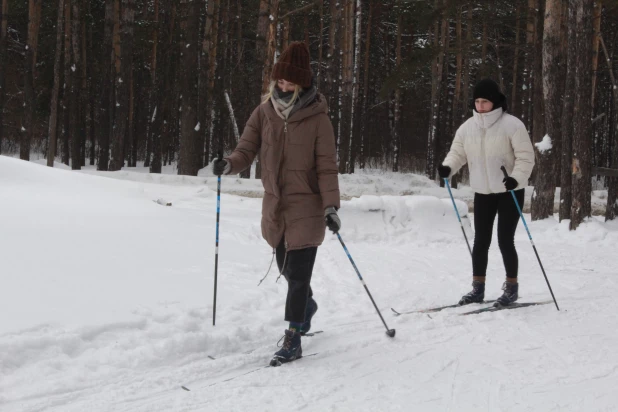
x: 448, y: 186
x: 530, y: 236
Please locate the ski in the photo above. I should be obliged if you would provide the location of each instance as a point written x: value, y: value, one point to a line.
x: 274, y: 362
x: 432, y: 310
x: 308, y: 335
x: 515, y: 305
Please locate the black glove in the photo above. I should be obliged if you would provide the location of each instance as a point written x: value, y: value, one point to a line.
x: 510, y: 183
x: 332, y: 219
x: 220, y: 167
x: 444, y: 171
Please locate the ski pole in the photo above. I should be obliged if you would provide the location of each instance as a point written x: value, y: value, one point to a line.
x: 389, y: 332
x: 214, y: 302
x: 530, y: 236
x: 448, y: 186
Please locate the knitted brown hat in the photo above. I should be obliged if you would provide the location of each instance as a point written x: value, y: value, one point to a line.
x: 294, y: 65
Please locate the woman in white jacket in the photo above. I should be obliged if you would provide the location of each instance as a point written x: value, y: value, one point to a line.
x: 487, y: 141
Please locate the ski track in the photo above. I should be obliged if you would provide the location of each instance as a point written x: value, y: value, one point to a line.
x: 527, y: 359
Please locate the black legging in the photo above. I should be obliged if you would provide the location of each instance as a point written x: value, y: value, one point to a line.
x: 485, y: 209
x: 297, y: 271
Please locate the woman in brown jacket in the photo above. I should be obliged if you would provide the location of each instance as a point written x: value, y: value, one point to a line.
x: 293, y: 134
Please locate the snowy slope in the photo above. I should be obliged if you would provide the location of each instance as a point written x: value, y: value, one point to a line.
x: 106, y: 305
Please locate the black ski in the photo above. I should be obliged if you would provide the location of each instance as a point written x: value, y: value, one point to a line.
x: 274, y: 362
x: 432, y: 310
x: 515, y: 305
x: 308, y: 335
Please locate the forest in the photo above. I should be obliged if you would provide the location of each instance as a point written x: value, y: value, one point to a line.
x: 117, y: 83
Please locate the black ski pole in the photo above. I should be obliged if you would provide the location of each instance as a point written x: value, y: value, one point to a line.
x: 214, y: 302
x: 389, y: 332
x: 506, y: 175
x: 448, y: 186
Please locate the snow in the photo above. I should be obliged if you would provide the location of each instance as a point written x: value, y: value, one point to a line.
x: 544, y: 145
x: 106, y: 302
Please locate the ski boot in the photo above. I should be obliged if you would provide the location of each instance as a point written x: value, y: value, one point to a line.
x: 476, y: 295
x: 290, y: 350
x: 509, y: 296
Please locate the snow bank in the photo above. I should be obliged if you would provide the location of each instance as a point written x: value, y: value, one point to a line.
x: 414, y: 217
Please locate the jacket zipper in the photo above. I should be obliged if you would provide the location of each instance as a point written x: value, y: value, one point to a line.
x: 485, y: 159
x: 281, y: 171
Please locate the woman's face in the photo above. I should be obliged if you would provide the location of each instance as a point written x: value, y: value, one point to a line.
x: 483, y: 105
x: 286, y: 86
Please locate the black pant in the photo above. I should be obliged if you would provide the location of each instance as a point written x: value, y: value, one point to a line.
x: 297, y: 271
x: 485, y: 209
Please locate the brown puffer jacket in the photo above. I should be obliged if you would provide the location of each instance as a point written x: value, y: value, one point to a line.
x: 299, y: 171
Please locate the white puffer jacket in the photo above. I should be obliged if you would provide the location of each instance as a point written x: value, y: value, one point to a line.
x: 488, y: 141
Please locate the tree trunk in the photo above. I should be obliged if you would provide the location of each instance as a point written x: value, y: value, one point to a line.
x: 355, y: 86
x: 596, y: 24
x: 553, y: 84
x: 333, y: 67
x: 582, y: 113
x: 161, y: 113
x: 318, y: 76
x: 121, y: 118
x: 271, y: 45
x: 85, y: 101
x: 347, y: 42
x: 526, y: 95
x: 484, y: 41
x: 513, y: 106
x: 53, y: 117
x: 537, y: 102
x: 77, y: 110
x: 436, y: 81
x: 397, y: 109
x: 91, y: 92
x: 66, y: 96
x: 4, y: 15
x: 459, y: 70
x: 567, y: 117
x: 191, y: 144
x: 467, y: 66
x: 28, y: 128
x: 612, y: 190
x: 365, y: 97
x: 107, y: 107
x: 153, y: 90
x: 212, y: 69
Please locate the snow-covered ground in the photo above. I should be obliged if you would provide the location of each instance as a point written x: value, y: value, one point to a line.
x: 106, y: 303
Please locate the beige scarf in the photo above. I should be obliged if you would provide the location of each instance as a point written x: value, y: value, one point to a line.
x: 282, y: 108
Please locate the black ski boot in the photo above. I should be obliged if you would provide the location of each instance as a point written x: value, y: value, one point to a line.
x: 310, y: 310
x: 476, y: 295
x: 510, y: 294
x: 290, y: 350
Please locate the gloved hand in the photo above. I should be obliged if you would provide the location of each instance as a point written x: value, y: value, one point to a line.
x: 221, y: 167
x: 444, y: 171
x: 510, y: 183
x: 332, y: 219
